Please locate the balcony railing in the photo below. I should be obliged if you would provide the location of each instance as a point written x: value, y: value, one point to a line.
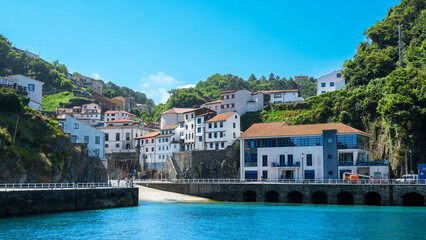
x: 364, y: 163
x: 279, y: 165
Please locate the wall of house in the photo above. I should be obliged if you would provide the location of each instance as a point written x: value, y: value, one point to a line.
x: 286, y: 97
x: 83, y: 130
x: 331, y: 77
x: 36, y: 95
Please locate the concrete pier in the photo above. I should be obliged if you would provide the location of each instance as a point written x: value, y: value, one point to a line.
x: 363, y: 194
x: 22, y: 202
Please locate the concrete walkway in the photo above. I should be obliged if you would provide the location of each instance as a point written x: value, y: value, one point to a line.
x: 151, y: 194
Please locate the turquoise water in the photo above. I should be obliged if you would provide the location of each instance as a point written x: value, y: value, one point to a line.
x: 151, y: 220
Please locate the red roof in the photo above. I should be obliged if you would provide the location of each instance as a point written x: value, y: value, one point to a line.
x: 177, y: 110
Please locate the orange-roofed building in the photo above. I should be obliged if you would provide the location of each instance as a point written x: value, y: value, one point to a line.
x: 222, y: 130
x: 173, y: 116
x: 279, y: 152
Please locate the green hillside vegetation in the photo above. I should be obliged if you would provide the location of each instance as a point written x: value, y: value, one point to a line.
x: 15, y: 61
x: 65, y: 99
x: 39, y: 146
x: 381, y: 97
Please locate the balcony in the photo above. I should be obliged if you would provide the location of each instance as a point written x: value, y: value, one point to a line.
x: 278, y: 165
x: 365, y: 163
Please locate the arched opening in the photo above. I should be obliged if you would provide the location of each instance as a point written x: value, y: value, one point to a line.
x: 271, y: 196
x: 413, y: 199
x: 249, y: 196
x: 345, y: 198
x: 319, y: 197
x: 372, y: 198
x: 294, y: 197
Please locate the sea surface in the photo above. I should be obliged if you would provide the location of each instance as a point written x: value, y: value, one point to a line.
x: 154, y: 220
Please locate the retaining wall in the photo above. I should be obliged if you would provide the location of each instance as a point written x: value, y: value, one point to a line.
x: 47, y: 201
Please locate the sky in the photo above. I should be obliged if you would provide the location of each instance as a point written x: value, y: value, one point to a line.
x: 155, y: 46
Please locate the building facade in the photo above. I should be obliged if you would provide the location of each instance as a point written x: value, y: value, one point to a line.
x: 121, y: 135
x: 82, y: 133
x: 95, y: 85
x: 118, y: 115
x: 222, y: 130
x: 275, y: 151
x: 241, y: 101
x: 148, y: 144
x: 194, y: 127
x: 215, y: 106
x: 88, y: 113
x: 330, y: 82
x: 172, y: 116
x: 34, y: 88
x: 285, y: 96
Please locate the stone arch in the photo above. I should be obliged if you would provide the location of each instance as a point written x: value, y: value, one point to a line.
x: 272, y: 196
x: 372, y: 198
x: 345, y: 198
x: 294, y: 197
x: 413, y: 199
x: 249, y: 196
x: 319, y: 197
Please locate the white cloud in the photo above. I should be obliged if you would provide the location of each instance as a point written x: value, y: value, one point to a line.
x: 96, y: 76
x: 155, y: 86
x: 187, y: 86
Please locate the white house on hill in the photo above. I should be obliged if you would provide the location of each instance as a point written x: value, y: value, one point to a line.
x: 330, y: 82
x: 34, y: 88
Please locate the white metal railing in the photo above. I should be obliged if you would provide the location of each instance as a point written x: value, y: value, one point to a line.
x: 284, y: 181
x: 59, y: 186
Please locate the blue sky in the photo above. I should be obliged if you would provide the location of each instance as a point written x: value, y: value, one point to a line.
x: 155, y: 46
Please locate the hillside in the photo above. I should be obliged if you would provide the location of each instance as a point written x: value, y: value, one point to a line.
x: 40, y: 152
x: 16, y: 61
x: 381, y: 96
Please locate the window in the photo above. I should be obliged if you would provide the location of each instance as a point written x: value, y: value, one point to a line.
x: 236, y: 116
x: 232, y: 105
x: 106, y: 145
x: 199, y: 130
x: 152, y: 140
x: 331, y: 84
x: 86, y: 139
x: 308, y: 159
x: 215, y: 135
x: 117, y: 145
x: 210, y: 125
x: 222, y: 145
x: 221, y: 134
x: 97, y: 152
x: 76, y: 126
x: 31, y: 87
x: 250, y: 175
x: 222, y: 106
x: 211, y: 145
x: 323, y: 84
x: 221, y: 124
x: 338, y: 75
x: 221, y: 97
x: 277, y: 95
x: 186, y: 127
x: 215, y: 125
x: 282, y: 160
x: 186, y: 116
x: 264, y: 174
x: 127, y: 136
x: 234, y: 135
x: 117, y: 137
x: 192, y: 115
x: 106, y: 137
x: 199, y: 120
x: 234, y: 125
x: 210, y: 135
x: 146, y: 141
x: 192, y: 126
x: 152, y: 149
x: 290, y: 160
x: 309, y: 174
x: 146, y: 149
x: 232, y: 95
x: 159, y: 148
x: 322, y: 91
x: 73, y: 138
x: 200, y: 138
x: 265, y: 160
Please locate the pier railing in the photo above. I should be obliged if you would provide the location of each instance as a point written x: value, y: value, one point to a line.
x: 284, y: 181
x: 60, y: 186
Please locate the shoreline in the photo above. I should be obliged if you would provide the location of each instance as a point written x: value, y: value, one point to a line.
x: 155, y: 195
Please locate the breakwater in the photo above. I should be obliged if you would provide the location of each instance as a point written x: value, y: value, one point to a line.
x: 22, y: 202
x: 348, y: 194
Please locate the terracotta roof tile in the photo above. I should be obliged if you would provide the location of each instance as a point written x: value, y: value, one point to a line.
x: 169, y: 127
x: 220, y: 117
x: 276, y: 129
x: 121, y: 121
x: 148, y: 135
x: 177, y: 110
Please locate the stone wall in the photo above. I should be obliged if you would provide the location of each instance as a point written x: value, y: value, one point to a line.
x: 14, y: 203
x: 203, y: 164
x: 120, y: 164
x: 390, y: 195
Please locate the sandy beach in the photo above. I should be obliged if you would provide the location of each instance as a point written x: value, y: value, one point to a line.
x: 151, y: 194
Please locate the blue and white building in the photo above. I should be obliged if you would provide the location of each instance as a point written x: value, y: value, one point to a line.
x: 330, y: 82
x: 82, y: 133
x: 275, y: 151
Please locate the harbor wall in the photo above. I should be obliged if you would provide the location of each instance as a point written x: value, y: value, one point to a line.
x: 363, y: 194
x: 23, y: 202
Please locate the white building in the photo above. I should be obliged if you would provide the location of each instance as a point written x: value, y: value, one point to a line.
x: 330, y: 82
x: 88, y: 113
x: 172, y: 116
x: 118, y: 115
x: 82, y: 133
x: 147, y: 146
x: 120, y: 135
x: 275, y: 151
x: 34, y: 88
x: 215, y: 106
x: 285, y: 96
x: 167, y: 144
x: 194, y: 127
x: 222, y: 130
x: 241, y: 101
